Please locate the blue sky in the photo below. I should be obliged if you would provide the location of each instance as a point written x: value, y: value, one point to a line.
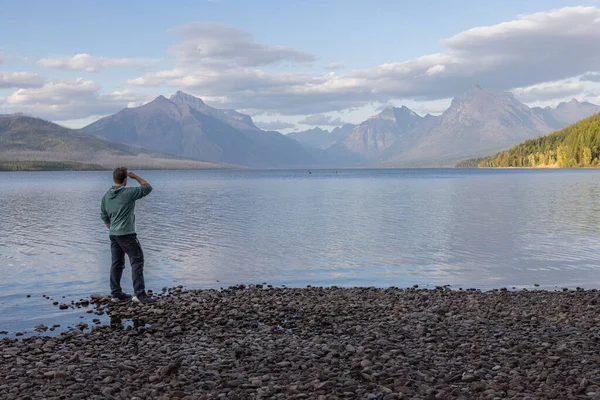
x: 293, y: 63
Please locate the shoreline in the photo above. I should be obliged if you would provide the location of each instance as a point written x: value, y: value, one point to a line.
x: 372, y: 343
x: 74, y: 166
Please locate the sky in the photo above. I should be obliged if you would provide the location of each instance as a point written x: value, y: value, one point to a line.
x: 292, y: 64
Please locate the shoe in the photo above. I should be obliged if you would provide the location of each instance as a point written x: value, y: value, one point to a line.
x: 143, y: 299
x: 120, y: 297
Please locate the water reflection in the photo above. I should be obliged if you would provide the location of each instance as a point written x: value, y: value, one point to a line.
x: 382, y: 227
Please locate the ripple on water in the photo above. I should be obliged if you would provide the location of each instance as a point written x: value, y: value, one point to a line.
x: 392, y: 227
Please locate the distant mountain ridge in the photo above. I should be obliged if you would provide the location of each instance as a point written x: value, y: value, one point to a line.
x: 566, y: 113
x: 24, y: 138
x: 184, y: 125
x: 392, y: 128
x: 319, y: 138
x: 478, y: 123
x: 23, y: 133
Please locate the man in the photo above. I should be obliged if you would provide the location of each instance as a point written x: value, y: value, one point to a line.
x: 117, y: 212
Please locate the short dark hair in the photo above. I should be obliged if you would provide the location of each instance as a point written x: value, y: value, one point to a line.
x: 119, y: 175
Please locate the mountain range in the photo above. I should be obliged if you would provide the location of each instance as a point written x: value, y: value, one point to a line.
x: 480, y: 122
x: 317, y: 138
x: 183, y: 129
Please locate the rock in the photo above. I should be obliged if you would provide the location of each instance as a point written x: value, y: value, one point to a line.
x: 235, y: 383
x: 55, y: 375
x: 387, y: 343
x: 324, y: 385
x: 584, y: 383
x: 256, y: 382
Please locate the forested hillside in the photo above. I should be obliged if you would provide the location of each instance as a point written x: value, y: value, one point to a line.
x: 577, y: 145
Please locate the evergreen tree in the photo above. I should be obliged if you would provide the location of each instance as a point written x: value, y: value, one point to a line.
x: 577, y: 145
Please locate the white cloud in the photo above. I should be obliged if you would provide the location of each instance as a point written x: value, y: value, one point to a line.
x: 434, y: 107
x: 548, y: 91
x: 217, y: 44
x: 20, y: 79
x: 591, y: 77
x: 89, y: 63
x: 436, y: 69
x: 334, y: 66
x: 322, y: 120
x: 54, y: 92
x: 156, y: 78
x: 12, y: 57
x: 538, y: 56
x: 216, y: 60
x: 131, y: 98
x: 78, y: 123
x: 535, y: 48
x: 593, y: 98
x: 68, y: 99
x: 274, y: 125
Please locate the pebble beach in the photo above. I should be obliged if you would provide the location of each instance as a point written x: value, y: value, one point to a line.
x: 260, y: 342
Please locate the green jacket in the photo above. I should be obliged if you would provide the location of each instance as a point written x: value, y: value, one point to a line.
x: 118, y: 205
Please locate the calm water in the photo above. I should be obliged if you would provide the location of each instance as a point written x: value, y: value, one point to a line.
x: 207, y: 229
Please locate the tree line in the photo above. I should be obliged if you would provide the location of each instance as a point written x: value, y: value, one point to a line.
x: 576, y: 146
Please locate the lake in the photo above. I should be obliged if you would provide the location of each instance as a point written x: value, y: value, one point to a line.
x: 386, y: 227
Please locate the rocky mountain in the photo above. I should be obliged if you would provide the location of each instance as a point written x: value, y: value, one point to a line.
x: 566, y: 113
x: 184, y: 125
x: 477, y: 123
x: 230, y: 117
x: 319, y: 138
x: 392, y: 128
x: 27, y: 139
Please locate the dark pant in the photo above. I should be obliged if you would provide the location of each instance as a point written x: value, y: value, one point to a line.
x: 119, y: 246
